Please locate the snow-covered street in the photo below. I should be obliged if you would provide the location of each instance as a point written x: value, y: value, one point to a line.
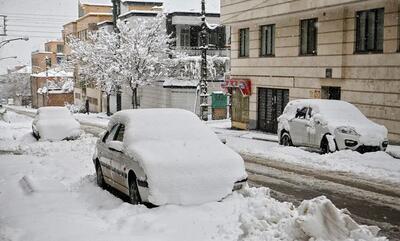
x: 48, y: 192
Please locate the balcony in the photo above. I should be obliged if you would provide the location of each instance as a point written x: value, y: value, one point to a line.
x: 196, y: 51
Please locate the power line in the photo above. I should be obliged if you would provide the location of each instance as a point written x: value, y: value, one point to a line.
x: 34, y: 36
x: 36, y: 14
x: 31, y: 31
x: 33, y: 26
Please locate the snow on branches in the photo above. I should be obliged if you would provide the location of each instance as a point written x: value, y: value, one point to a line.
x: 137, y: 55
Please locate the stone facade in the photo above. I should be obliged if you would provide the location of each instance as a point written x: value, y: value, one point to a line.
x: 369, y: 80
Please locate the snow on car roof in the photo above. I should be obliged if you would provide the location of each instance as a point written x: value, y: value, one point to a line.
x: 53, y: 111
x: 184, y: 161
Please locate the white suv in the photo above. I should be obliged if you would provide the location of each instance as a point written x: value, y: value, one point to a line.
x: 329, y: 125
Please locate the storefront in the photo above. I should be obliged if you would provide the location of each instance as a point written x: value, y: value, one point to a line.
x: 239, y: 90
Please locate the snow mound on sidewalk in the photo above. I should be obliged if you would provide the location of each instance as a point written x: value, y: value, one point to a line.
x: 265, y: 218
x: 320, y: 219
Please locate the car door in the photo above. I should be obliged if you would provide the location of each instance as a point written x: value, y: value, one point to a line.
x: 118, y: 162
x: 317, y: 130
x: 105, y: 155
x: 298, y: 127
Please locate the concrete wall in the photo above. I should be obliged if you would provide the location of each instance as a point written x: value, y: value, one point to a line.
x: 370, y: 81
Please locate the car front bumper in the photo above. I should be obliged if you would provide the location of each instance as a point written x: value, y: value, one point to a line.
x: 354, y: 143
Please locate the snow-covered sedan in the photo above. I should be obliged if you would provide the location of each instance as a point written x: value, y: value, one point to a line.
x: 329, y: 125
x: 166, y: 156
x: 55, y: 124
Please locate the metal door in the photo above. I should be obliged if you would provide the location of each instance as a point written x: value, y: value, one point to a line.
x: 271, y: 103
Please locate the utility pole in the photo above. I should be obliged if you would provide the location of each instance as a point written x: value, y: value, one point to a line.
x: 203, y: 80
x: 3, y: 25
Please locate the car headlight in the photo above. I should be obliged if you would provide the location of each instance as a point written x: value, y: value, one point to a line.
x: 347, y: 130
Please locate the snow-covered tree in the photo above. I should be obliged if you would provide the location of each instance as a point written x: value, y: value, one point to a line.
x: 134, y: 56
x: 189, y: 67
x: 137, y: 55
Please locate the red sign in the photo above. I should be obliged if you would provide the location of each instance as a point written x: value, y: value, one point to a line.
x: 243, y: 84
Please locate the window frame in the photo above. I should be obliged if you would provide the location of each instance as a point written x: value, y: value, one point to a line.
x: 263, y: 52
x: 315, y: 36
x: 357, y: 36
x: 246, y: 44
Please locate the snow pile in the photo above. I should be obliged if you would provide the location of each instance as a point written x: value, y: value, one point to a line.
x: 265, y: 218
x: 56, y: 123
x: 184, y: 161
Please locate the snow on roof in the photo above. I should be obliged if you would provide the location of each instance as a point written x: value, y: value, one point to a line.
x: 190, y: 166
x: 142, y: 1
x: 24, y: 70
x: 191, y: 6
x: 54, y: 73
x: 96, y: 2
x: 180, y: 83
x: 138, y: 12
x: 21, y: 69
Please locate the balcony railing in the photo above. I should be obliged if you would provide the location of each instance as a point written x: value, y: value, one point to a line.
x: 196, y: 51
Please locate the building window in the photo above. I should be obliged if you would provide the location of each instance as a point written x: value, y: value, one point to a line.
x: 369, y: 30
x: 244, y: 42
x: 268, y: 40
x: 60, y: 48
x: 185, y: 36
x: 331, y: 92
x: 308, y: 36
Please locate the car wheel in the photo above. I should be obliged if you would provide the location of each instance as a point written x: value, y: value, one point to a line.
x: 325, y: 145
x: 99, y: 176
x: 286, y: 140
x: 134, y: 195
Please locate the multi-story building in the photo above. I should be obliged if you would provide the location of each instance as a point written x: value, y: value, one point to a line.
x: 91, y: 12
x: 285, y: 50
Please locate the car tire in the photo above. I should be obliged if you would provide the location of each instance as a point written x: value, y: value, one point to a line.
x: 99, y: 176
x: 325, y: 145
x: 134, y: 195
x: 286, y: 140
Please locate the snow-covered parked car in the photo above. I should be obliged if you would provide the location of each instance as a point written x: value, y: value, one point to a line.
x: 166, y: 156
x: 55, y: 124
x: 329, y: 125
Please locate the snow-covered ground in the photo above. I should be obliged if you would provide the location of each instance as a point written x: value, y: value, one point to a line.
x: 48, y: 192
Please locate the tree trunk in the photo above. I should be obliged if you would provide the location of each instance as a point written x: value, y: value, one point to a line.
x: 134, y: 99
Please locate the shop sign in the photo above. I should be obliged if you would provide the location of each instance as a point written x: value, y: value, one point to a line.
x: 243, y: 84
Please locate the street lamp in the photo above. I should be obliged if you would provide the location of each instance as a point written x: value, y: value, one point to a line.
x: 10, y: 57
x: 4, y: 42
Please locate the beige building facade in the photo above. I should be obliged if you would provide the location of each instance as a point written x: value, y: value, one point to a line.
x: 337, y: 49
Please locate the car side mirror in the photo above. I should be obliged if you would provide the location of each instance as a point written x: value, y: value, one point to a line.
x: 116, y: 146
x: 297, y: 113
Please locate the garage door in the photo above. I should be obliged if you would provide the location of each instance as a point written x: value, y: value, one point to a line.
x: 271, y: 103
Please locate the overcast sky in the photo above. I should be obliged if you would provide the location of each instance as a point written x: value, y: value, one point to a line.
x: 40, y: 20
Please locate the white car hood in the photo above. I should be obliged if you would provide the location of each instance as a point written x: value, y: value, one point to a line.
x: 371, y: 134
